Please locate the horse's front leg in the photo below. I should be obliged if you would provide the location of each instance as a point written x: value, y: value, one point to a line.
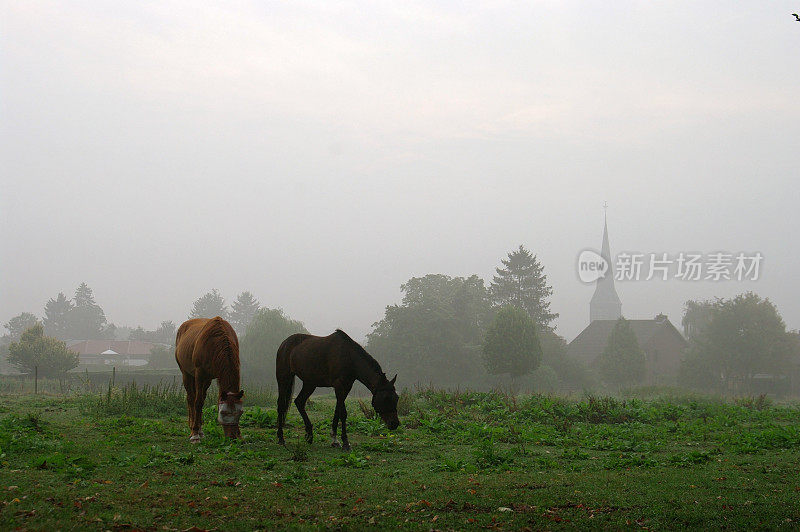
x: 334, y: 442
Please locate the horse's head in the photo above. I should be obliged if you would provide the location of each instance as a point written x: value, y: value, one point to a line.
x: 384, y: 401
x: 230, y: 410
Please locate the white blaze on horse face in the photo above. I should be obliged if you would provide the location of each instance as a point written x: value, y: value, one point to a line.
x: 228, y: 415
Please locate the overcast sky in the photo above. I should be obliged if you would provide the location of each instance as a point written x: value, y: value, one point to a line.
x: 320, y: 154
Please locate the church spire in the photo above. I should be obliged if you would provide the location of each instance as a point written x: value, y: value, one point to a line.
x: 605, y: 303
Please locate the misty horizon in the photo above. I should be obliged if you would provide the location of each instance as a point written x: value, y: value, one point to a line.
x: 320, y: 157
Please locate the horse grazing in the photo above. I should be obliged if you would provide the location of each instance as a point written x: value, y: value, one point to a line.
x: 208, y: 349
x: 331, y: 361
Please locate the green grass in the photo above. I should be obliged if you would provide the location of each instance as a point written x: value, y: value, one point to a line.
x: 460, y: 460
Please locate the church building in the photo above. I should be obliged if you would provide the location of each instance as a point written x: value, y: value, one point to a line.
x: 605, y: 303
x: 662, y: 343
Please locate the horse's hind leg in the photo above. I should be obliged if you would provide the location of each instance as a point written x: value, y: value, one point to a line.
x: 188, y: 384
x: 300, y: 402
x: 341, y: 395
x: 285, y: 386
x: 199, y: 400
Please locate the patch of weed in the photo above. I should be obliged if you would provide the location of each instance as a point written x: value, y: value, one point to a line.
x: 352, y: 459
x: 259, y: 417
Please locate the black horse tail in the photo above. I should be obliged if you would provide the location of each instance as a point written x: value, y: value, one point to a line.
x: 284, y: 375
x: 285, y: 391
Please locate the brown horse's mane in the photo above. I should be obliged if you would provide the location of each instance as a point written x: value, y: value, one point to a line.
x: 223, y: 345
x: 371, y: 362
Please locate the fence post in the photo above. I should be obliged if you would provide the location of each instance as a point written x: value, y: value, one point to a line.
x: 36, y: 380
x: 113, y: 375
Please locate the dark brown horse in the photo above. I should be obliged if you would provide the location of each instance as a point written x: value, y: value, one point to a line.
x: 331, y: 361
x: 208, y: 349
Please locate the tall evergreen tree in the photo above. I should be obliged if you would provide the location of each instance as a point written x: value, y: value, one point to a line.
x: 522, y: 283
x: 242, y: 311
x: 84, y: 296
x: 209, y: 305
x: 56, y: 313
x: 622, y: 362
x: 86, y: 319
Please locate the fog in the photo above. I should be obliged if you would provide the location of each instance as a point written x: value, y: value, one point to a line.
x: 320, y: 156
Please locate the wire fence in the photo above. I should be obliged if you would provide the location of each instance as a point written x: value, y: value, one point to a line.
x: 85, y: 381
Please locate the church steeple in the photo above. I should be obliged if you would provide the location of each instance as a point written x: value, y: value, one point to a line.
x: 605, y: 303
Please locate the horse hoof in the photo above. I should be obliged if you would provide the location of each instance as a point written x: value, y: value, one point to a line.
x: 195, y: 438
x: 346, y: 448
x: 336, y: 444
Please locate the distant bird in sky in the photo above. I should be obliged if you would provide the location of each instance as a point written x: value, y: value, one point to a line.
x: 795, y: 15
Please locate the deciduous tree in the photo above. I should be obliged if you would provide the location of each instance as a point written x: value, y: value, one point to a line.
x: 696, y: 317
x: 35, y: 349
x: 744, y: 336
x: 19, y: 324
x: 164, y: 334
x: 512, y: 345
x: 162, y: 356
x: 622, y: 362
x: 434, y: 335
x: 263, y: 336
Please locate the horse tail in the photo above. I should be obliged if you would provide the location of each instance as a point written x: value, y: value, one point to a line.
x: 284, y: 375
x: 285, y: 391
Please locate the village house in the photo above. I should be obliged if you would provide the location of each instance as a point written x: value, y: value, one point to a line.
x: 132, y: 353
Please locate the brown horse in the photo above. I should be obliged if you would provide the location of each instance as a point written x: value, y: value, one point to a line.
x: 208, y: 349
x: 337, y: 361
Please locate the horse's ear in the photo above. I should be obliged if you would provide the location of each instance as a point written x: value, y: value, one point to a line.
x: 394, y: 379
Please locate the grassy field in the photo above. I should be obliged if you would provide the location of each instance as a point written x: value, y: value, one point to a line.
x: 122, y: 460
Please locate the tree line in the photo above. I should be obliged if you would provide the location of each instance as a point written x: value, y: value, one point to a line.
x: 738, y: 345
x: 459, y: 332
x: 82, y: 318
x: 31, y: 342
x: 453, y: 332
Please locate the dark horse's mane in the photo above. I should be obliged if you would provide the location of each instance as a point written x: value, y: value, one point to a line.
x: 371, y: 362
